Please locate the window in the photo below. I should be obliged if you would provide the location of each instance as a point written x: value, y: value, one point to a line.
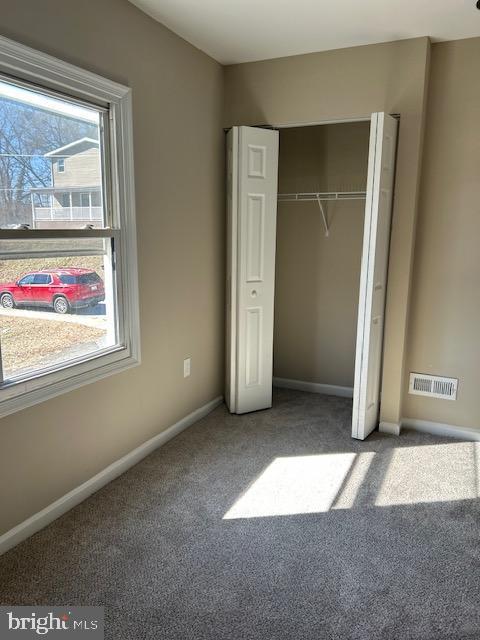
x: 87, y: 278
x: 67, y: 279
x: 42, y: 278
x: 26, y: 280
x: 68, y: 283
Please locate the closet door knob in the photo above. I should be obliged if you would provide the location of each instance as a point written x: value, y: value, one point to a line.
x: 253, y: 293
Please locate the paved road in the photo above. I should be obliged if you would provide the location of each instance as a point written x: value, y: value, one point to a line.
x: 91, y: 317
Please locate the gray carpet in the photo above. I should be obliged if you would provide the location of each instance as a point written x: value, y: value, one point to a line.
x: 368, y: 540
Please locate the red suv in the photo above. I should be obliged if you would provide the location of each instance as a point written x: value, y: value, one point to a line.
x: 62, y: 289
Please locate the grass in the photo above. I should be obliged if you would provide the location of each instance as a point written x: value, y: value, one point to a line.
x: 27, y: 343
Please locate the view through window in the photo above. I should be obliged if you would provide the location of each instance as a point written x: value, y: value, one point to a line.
x: 58, y: 300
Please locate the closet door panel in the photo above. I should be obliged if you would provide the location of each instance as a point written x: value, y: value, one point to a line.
x: 373, y: 277
x: 253, y: 232
x: 231, y: 288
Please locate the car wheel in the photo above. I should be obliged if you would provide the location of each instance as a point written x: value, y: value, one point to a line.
x: 6, y: 300
x: 60, y: 305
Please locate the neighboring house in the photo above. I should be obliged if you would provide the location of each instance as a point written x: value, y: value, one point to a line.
x: 74, y: 199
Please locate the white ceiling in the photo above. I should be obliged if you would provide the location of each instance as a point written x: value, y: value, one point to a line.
x: 244, y: 30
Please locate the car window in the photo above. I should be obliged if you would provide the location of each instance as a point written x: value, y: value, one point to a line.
x: 26, y: 280
x: 89, y: 278
x: 67, y: 279
x: 42, y: 278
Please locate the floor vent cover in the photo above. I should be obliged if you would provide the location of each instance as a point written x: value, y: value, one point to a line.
x: 421, y: 384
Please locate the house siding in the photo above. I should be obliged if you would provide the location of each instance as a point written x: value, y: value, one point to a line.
x: 81, y: 170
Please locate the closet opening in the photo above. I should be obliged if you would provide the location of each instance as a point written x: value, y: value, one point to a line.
x: 322, y: 183
x: 308, y: 233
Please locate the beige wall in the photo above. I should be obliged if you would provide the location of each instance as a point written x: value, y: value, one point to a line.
x: 317, y: 278
x: 342, y: 84
x: 445, y: 318
x: 177, y: 101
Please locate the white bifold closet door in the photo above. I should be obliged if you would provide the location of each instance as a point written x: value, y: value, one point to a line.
x: 373, y: 275
x: 252, y: 168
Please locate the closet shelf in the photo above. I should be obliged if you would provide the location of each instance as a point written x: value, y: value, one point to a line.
x: 320, y: 197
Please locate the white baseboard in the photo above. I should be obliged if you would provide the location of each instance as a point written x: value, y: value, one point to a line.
x: 314, y: 387
x: 389, y: 427
x: 44, y: 517
x: 441, y: 429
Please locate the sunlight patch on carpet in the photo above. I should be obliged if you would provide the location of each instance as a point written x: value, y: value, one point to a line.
x: 432, y: 473
x: 294, y: 485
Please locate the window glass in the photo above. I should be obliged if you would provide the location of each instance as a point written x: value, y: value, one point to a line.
x: 37, y: 133
x: 26, y: 280
x: 66, y: 279
x: 44, y: 327
x: 88, y: 278
x: 41, y: 278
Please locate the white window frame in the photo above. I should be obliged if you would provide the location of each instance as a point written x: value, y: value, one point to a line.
x: 22, y: 63
x: 61, y: 165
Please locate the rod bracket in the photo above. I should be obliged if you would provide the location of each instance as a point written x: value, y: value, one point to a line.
x: 324, y: 216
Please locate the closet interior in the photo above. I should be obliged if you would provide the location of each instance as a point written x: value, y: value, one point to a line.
x: 320, y: 217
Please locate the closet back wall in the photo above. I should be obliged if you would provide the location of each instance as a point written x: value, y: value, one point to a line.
x: 317, y: 278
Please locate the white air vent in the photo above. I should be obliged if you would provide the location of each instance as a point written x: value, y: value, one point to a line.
x: 421, y: 384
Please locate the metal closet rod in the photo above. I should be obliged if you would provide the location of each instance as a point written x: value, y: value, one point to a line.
x: 322, y: 196
x: 319, y: 195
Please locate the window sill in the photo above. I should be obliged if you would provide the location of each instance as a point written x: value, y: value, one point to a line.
x: 22, y: 395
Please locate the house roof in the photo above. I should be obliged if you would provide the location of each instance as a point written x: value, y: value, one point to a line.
x: 69, y: 149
